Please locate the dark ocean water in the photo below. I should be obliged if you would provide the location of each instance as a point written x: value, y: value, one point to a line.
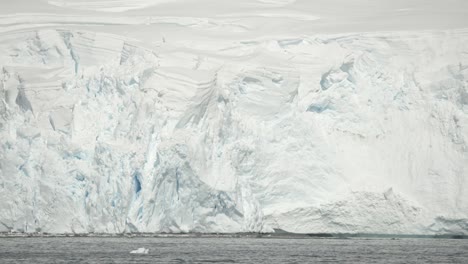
x: 231, y: 250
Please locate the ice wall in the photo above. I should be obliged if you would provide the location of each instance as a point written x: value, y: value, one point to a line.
x: 321, y: 133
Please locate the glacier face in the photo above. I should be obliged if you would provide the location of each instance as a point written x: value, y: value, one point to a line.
x: 192, y: 132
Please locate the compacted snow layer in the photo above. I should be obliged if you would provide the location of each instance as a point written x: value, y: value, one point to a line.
x: 106, y: 5
x: 209, y: 124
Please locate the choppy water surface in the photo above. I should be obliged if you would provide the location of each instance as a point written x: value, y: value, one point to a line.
x: 231, y: 250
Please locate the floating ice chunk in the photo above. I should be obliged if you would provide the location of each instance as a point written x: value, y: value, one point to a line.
x: 140, y: 251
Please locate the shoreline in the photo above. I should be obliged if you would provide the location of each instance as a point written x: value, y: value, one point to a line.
x: 284, y: 235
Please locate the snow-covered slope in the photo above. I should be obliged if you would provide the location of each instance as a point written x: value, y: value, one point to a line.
x: 232, y: 120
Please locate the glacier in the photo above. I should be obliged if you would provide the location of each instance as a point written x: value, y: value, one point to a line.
x: 121, y: 116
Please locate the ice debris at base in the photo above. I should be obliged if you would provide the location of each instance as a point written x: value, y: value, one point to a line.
x: 140, y: 251
x: 229, y: 122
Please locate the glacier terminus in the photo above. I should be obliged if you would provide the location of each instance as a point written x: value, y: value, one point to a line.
x: 234, y: 116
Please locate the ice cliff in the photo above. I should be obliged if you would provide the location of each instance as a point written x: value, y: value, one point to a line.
x: 340, y: 133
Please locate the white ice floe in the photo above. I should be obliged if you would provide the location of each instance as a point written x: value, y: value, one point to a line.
x: 140, y: 251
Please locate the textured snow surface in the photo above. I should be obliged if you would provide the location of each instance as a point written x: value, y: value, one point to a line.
x: 223, y: 119
x: 106, y: 5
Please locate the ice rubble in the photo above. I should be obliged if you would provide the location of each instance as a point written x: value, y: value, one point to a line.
x: 352, y: 133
